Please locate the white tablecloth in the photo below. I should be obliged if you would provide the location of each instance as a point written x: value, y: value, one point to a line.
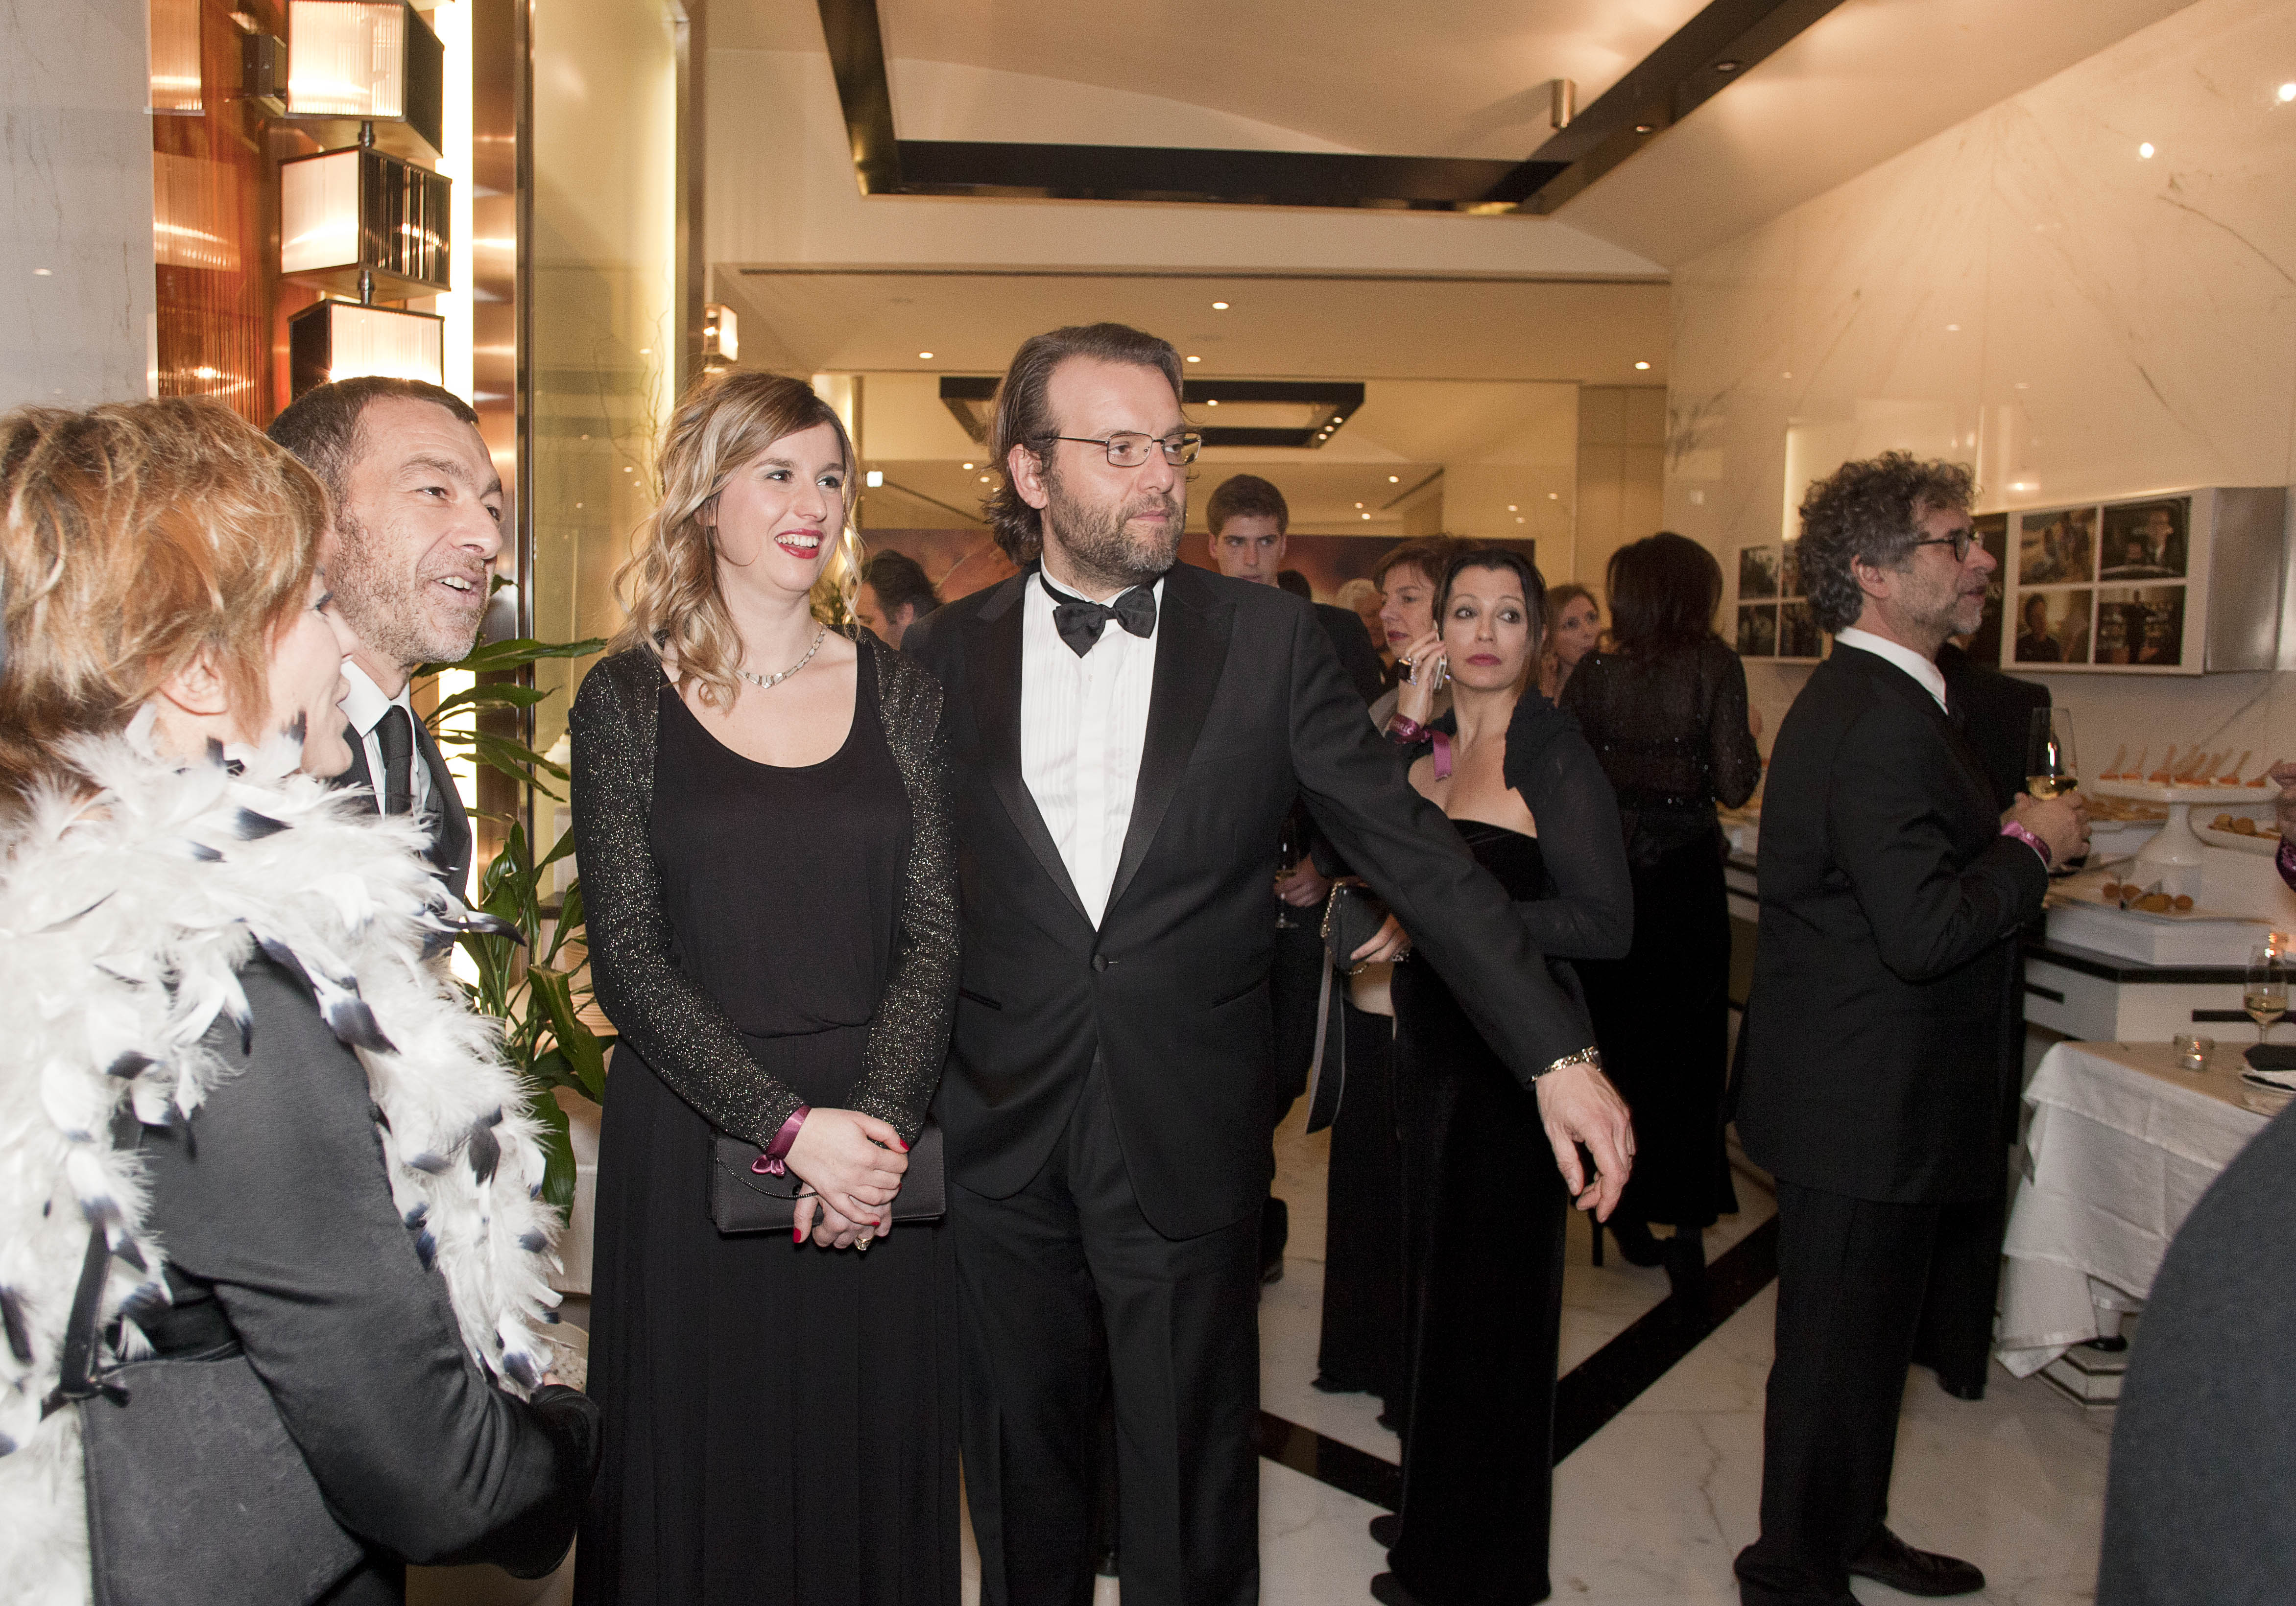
x: 2122, y: 1146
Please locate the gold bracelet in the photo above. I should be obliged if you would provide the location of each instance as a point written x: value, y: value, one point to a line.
x: 1588, y: 1055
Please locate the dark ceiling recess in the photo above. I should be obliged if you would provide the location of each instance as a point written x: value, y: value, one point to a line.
x: 1706, y: 54
x: 1324, y: 405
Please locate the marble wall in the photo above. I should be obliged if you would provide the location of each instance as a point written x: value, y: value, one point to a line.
x: 76, y: 288
x: 2087, y: 290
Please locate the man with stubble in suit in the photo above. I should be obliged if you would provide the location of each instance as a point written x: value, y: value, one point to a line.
x: 1871, y: 1088
x: 416, y: 520
x: 1126, y: 736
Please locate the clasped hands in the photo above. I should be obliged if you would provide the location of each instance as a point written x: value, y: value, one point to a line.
x: 851, y: 1165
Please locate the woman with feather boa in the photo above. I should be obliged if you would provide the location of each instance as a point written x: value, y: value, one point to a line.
x: 240, y: 1121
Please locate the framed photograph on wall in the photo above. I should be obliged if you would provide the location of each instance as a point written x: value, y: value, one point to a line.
x: 1758, y: 630
x: 2056, y: 548
x: 1774, y: 619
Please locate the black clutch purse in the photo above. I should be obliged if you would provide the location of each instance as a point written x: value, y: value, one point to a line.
x: 1352, y: 917
x: 746, y: 1198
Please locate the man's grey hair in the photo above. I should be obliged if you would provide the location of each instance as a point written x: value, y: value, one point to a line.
x: 1870, y: 512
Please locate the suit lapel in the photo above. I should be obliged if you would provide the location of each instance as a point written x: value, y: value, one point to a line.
x: 450, y: 846
x: 1192, y: 636
x: 995, y: 677
x: 1896, y: 682
x: 357, y: 774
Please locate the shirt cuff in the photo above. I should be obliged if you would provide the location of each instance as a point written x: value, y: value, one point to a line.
x: 2013, y: 829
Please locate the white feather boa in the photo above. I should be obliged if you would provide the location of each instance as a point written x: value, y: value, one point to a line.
x: 124, y: 923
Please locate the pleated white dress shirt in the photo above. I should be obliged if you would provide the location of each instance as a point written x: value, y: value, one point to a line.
x: 1083, y: 724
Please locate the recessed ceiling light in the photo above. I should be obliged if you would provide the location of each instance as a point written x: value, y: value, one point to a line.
x: 1785, y: 376
x: 1219, y: 306
x: 1640, y: 366
x: 876, y: 477
x: 1644, y: 127
x: 1518, y: 520
x: 45, y: 273
x: 1367, y: 518
x: 1358, y: 505
x: 1554, y: 495
x: 2023, y: 385
x: 2145, y: 150
x: 1510, y: 507
x: 1195, y: 359
x: 645, y: 351
x: 1727, y: 66
x: 925, y: 356
x: 984, y: 479
x: 968, y: 467
x: 2287, y: 93
x: 1395, y: 479
x: 1953, y: 328
x: 1214, y: 402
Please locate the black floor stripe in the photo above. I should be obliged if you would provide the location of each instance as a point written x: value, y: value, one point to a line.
x: 1345, y: 1468
x: 1587, y: 1397
x: 1607, y: 1382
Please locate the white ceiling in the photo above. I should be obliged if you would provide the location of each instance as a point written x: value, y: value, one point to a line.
x: 1275, y: 327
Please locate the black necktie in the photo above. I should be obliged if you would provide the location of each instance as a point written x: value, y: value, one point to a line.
x: 396, y: 736
x: 1080, y: 622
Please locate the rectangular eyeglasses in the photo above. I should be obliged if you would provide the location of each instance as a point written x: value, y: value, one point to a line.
x: 1128, y: 451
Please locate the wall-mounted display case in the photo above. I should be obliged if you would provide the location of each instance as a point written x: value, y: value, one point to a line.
x: 2179, y: 583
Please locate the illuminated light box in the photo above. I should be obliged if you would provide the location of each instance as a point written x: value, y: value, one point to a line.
x: 342, y: 340
x: 721, y: 333
x: 348, y: 212
x: 354, y: 62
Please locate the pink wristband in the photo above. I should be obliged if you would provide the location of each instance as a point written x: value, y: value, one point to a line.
x: 1403, y: 730
x: 2013, y: 829
x: 770, y: 1163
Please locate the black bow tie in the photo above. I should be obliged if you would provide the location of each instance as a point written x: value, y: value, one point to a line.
x: 1080, y: 622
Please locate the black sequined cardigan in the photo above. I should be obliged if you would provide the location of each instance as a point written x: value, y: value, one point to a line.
x: 676, y: 1026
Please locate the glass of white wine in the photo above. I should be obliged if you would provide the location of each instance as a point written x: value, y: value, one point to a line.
x: 2051, y: 766
x: 2264, y: 991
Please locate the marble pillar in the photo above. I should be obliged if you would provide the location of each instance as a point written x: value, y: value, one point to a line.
x: 76, y: 301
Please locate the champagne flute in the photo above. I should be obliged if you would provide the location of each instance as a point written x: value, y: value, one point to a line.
x: 1291, y: 847
x: 2264, y: 991
x: 2050, y: 767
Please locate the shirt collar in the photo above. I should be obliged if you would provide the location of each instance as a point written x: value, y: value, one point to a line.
x: 1041, y: 599
x: 1931, y: 678
x: 364, y: 704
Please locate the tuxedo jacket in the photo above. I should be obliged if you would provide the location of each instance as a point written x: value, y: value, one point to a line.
x: 1871, y: 1066
x: 450, y: 822
x: 1249, y: 710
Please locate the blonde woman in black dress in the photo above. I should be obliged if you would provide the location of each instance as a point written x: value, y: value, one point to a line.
x: 760, y: 808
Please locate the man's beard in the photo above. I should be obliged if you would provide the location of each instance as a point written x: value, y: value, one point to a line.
x: 1101, y: 549
x: 384, y: 607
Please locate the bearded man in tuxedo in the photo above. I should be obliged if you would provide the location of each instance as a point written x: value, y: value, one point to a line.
x: 415, y: 509
x: 1128, y: 734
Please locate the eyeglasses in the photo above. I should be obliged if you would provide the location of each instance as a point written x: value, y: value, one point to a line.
x: 1129, y: 451
x: 1961, y: 541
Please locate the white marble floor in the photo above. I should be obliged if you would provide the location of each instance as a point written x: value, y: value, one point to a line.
x: 1654, y: 1507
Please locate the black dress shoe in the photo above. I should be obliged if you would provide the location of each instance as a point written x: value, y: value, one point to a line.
x: 1387, y: 1590
x: 1324, y: 1382
x: 1387, y: 1529
x: 1889, y: 1559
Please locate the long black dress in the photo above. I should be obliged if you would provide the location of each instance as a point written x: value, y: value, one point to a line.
x: 1670, y: 731
x: 1485, y: 1204
x: 1484, y: 1212
x: 781, y: 1419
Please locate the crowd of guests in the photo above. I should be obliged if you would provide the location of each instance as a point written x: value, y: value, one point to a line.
x: 995, y: 920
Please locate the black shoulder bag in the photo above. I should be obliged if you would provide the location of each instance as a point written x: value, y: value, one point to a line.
x: 194, y: 1490
x: 1352, y: 916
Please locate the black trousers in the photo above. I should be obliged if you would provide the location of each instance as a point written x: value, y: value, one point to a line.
x: 1040, y: 1276
x: 1851, y: 1277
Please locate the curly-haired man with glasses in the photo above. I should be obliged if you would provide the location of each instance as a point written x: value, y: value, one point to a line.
x: 1871, y: 1086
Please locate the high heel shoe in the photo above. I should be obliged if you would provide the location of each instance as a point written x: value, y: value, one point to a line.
x: 1635, y: 1242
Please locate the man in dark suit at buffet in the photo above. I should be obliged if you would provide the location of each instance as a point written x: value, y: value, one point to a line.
x: 1871, y: 1090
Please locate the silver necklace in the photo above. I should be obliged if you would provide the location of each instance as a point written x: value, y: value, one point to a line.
x: 767, y: 682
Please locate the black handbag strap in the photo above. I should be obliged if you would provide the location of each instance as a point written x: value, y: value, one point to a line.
x: 78, y: 1381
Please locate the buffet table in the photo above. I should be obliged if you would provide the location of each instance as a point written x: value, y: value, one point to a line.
x: 2121, y: 1145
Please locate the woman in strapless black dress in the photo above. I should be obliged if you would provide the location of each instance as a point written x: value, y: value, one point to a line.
x: 1484, y: 1204
x: 769, y: 880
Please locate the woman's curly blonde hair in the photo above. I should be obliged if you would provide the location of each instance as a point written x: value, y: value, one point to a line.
x: 669, y: 585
